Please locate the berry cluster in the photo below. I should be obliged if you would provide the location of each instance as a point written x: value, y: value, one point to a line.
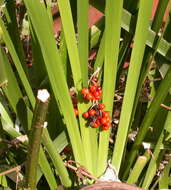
x: 97, y: 117
x: 93, y: 93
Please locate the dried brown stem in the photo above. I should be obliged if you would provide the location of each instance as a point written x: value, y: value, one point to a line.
x: 80, y: 169
x: 16, y: 169
x: 166, y: 107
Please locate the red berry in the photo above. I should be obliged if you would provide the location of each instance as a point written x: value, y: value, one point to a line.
x: 99, y: 88
x: 97, y: 97
x: 89, y: 96
x: 85, y: 91
x: 103, y: 121
x: 98, y: 122
x: 96, y: 93
x: 108, y: 118
x: 105, y: 128
x: 101, y: 106
x: 99, y: 118
x: 93, y: 88
x: 86, y: 115
x: 92, y: 112
x: 107, y: 123
x: 76, y: 112
x: 94, y: 125
x: 105, y: 114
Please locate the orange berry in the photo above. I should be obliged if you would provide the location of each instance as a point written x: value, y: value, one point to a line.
x: 105, y: 128
x: 108, y: 118
x: 96, y: 93
x: 97, y: 98
x: 85, y: 91
x: 98, y: 122
x: 92, y: 112
x: 94, y: 125
x: 101, y: 106
x: 76, y: 112
x: 85, y: 115
x: 107, y: 123
x: 93, y: 88
x: 105, y: 114
x: 103, y: 121
x: 89, y: 96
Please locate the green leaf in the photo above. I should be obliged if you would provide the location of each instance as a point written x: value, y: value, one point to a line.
x: 112, y: 39
x: 82, y: 20
x: 78, y: 67
x: 132, y: 80
x: 47, y: 170
x: 14, y: 33
x: 36, y: 10
x: 152, y: 168
x: 150, y: 114
x: 56, y: 159
x: 3, y: 181
x: 67, y: 23
x: 11, y: 86
x: 17, y: 63
x: 7, y: 123
x: 128, y: 24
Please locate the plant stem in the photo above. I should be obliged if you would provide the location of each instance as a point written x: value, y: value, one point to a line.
x: 39, y: 117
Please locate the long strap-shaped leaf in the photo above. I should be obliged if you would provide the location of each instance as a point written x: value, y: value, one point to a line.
x: 71, y: 42
x: 12, y: 27
x: 149, y: 116
x: 7, y: 123
x: 56, y: 158
x: 17, y: 63
x: 112, y: 38
x: 128, y: 24
x: 6, y: 74
x: 39, y: 18
x: 47, y: 170
x: 132, y: 80
x: 82, y: 20
x: 78, y: 67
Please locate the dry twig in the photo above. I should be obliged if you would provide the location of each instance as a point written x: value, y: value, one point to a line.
x: 80, y: 171
x: 166, y: 107
x: 16, y: 169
